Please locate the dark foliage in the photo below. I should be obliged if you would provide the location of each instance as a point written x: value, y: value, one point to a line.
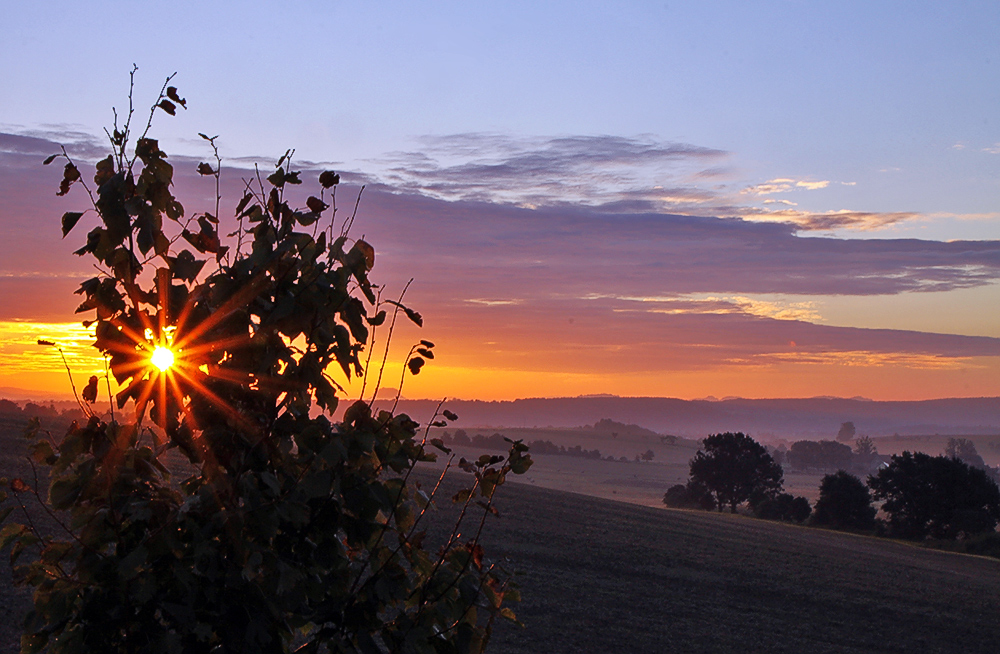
x: 938, y: 497
x: 783, y: 506
x: 691, y: 496
x: 844, y: 503
x: 289, y: 530
x: 964, y: 450
x: 734, y: 468
x: 846, y: 433
x: 822, y: 455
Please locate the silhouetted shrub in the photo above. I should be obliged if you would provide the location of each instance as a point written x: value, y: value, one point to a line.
x: 690, y: 496
x: 783, y: 506
x: 821, y: 455
x: 844, y: 503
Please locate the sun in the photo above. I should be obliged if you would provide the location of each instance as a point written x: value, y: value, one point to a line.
x: 162, y: 358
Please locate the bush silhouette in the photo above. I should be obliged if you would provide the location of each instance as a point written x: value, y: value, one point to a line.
x: 844, y: 503
x: 289, y: 529
x: 691, y: 496
x: 784, y: 507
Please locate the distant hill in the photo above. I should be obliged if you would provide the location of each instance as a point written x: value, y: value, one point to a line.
x: 781, y: 418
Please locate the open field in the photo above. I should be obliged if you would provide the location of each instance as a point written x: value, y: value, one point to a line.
x: 602, y: 576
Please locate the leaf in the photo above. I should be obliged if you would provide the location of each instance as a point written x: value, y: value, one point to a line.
x: 42, y: 453
x: 425, y: 352
x: 70, y: 175
x: 243, y: 203
x: 415, y: 364
x: 49, y: 159
x: 315, y: 204
x: 129, y: 566
x: 450, y: 415
x: 168, y: 106
x: 368, y: 252
x: 172, y: 94
x: 89, y: 393
x: 69, y: 220
x: 414, y: 316
x: 205, y: 169
x: 105, y: 170
x: 185, y: 266
x: 9, y: 533
x: 277, y: 178
x: 329, y: 178
x: 44, y: 342
x: 18, y: 486
x: 462, y: 496
x: 426, y: 343
x: 439, y: 444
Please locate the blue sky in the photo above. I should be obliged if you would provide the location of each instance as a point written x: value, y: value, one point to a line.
x: 848, y: 121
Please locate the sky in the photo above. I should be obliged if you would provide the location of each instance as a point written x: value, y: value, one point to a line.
x: 769, y: 199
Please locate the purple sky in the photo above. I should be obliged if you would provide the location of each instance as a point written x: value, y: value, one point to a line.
x: 786, y: 200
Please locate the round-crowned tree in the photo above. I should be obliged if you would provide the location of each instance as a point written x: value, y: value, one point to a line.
x: 939, y: 497
x: 844, y: 503
x: 287, y: 529
x: 735, y: 468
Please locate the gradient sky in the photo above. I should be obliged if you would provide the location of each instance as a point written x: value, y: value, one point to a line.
x: 685, y: 199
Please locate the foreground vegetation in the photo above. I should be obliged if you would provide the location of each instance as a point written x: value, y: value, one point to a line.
x: 600, y: 576
x: 289, y: 530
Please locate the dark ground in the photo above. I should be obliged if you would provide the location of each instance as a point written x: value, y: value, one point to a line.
x: 604, y: 576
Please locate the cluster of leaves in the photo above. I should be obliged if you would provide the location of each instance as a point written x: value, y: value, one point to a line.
x: 289, y: 530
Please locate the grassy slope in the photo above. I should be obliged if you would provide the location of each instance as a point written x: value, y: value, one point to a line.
x: 603, y: 576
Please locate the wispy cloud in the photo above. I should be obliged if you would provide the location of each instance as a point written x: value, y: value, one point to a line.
x: 784, y: 185
x: 555, y: 170
x: 842, y: 219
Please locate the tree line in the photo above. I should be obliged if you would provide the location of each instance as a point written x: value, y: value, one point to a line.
x: 943, y: 497
x: 496, y: 441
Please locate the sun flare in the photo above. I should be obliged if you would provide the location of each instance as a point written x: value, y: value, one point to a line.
x: 162, y: 358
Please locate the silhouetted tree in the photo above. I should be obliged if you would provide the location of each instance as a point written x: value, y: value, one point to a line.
x: 648, y: 455
x: 783, y: 506
x: 694, y: 495
x: 822, y: 455
x: 939, y: 496
x: 847, y: 432
x: 964, y: 450
x: 864, y: 446
x: 844, y: 503
x: 735, y: 467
